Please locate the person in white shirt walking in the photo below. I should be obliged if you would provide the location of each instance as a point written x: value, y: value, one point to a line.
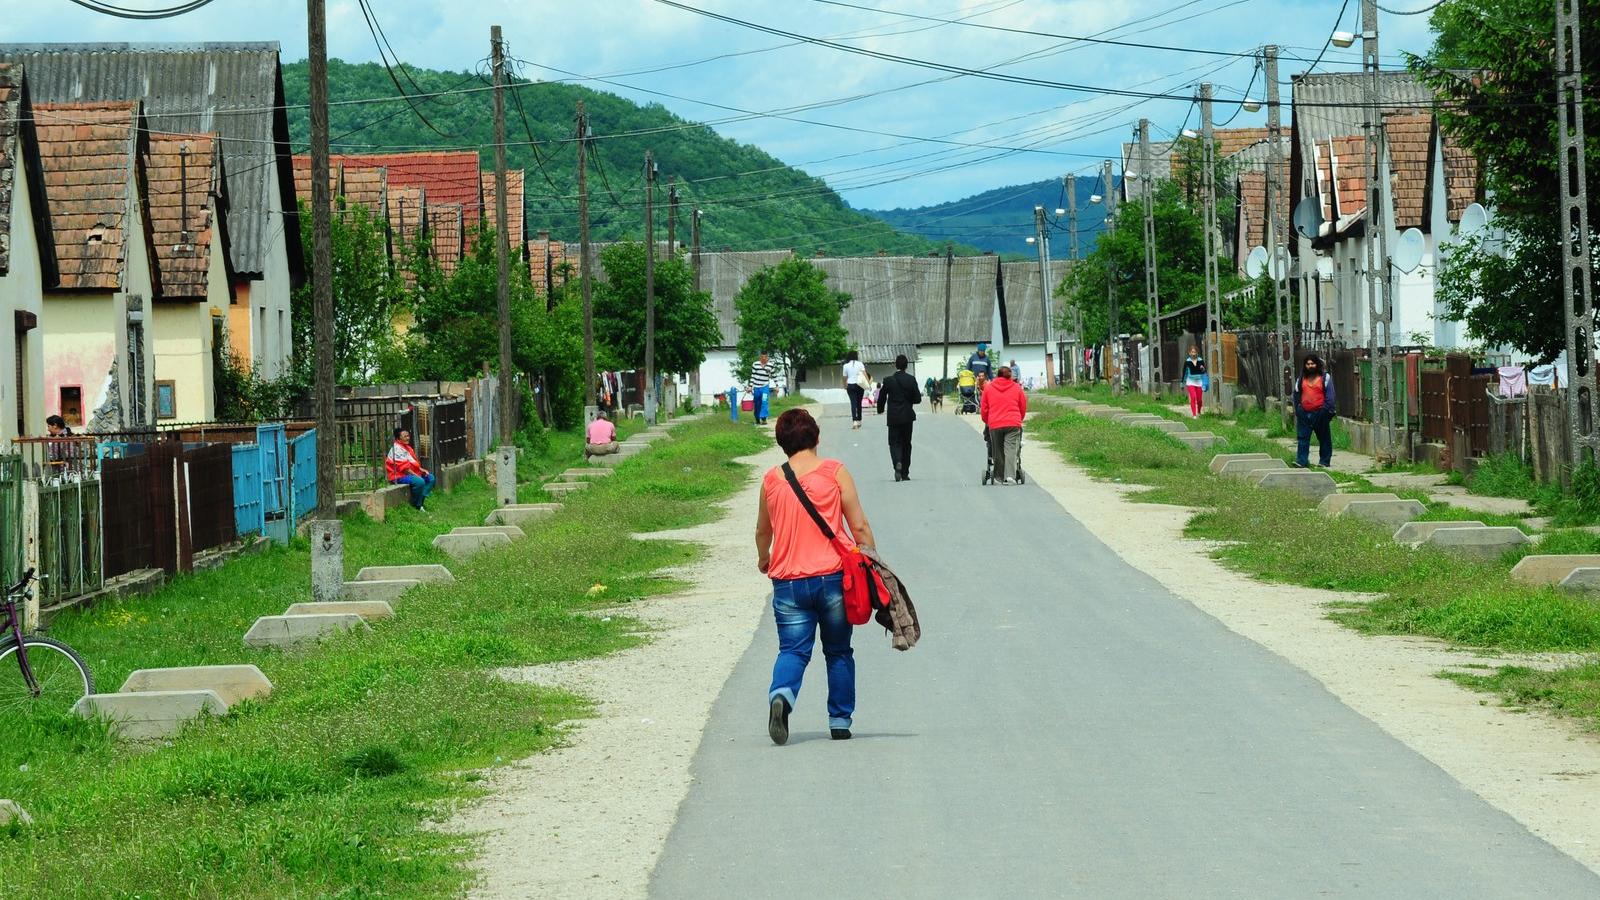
x: 761, y: 377
x: 855, y: 384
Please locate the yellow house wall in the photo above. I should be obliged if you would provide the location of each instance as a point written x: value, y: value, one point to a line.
x: 183, y: 356
x: 82, y: 333
x: 239, y: 322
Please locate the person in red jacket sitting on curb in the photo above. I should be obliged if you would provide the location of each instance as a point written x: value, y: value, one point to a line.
x: 402, y: 467
x: 1002, y: 407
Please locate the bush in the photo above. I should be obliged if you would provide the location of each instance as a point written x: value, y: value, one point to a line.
x: 1504, y: 476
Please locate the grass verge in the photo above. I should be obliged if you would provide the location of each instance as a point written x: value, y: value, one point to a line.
x: 330, y: 787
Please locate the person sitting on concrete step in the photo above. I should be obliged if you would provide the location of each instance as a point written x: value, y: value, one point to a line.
x: 600, y: 438
x: 402, y: 467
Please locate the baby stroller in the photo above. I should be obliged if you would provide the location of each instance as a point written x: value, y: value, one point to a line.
x: 990, y: 476
x: 969, y: 401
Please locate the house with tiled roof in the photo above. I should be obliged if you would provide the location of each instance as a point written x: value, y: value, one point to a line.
x: 548, y: 265
x: 98, y: 365
x: 1429, y: 181
x: 185, y: 204
x: 516, y: 197
x: 27, y: 261
x: 234, y: 90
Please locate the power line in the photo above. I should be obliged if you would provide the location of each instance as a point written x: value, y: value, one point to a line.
x: 372, y: 26
x: 123, y: 12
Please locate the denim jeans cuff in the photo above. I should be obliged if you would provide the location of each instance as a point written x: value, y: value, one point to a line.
x: 785, y: 693
x: 838, y: 723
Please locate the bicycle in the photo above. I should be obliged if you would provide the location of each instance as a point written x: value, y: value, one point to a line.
x: 54, y: 676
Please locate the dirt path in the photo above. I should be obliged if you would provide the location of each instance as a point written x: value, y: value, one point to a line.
x: 589, y: 819
x: 1541, y: 771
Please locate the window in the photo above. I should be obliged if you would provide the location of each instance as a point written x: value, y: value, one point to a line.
x: 72, y: 405
x: 166, y: 400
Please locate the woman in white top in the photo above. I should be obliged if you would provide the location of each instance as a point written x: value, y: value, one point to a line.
x: 855, y: 384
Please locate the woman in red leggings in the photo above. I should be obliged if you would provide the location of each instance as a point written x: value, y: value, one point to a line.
x: 1194, y: 380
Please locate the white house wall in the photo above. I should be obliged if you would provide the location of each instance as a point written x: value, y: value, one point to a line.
x: 22, y: 289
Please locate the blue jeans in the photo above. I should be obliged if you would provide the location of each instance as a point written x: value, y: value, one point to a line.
x: 421, y: 487
x: 801, y: 606
x: 761, y: 395
x: 1306, y: 423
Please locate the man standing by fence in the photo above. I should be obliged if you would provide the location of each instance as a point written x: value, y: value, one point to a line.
x: 761, y: 376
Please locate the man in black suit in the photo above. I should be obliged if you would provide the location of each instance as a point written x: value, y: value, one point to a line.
x: 896, y: 397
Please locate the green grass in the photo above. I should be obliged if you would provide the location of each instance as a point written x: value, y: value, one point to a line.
x: 1572, y: 692
x: 330, y: 787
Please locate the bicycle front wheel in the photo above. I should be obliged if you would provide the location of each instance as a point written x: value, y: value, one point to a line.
x: 61, y: 676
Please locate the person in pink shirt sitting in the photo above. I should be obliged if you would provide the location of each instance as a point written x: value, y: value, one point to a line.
x: 600, y: 438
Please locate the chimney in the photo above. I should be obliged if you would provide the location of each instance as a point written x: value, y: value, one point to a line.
x: 544, y: 237
x: 821, y: 252
x: 882, y: 252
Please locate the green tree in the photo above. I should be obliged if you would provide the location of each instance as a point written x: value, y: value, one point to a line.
x: 366, y: 295
x: 1507, y: 120
x: 686, y: 320
x: 788, y: 310
x: 1180, y: 256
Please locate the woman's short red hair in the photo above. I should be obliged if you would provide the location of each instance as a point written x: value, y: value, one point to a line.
x: 796, y: 431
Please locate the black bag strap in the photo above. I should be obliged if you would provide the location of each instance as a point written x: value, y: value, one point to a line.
x: 805, y: 501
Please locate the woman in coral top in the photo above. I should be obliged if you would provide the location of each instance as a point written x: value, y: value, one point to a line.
x: 806, y: 573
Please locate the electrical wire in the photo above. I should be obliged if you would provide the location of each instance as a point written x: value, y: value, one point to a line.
x: 123, y: 12
x: 1339, y: 20
x: 1412, y: 12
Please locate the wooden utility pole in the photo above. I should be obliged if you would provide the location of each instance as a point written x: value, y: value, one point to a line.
x: 672, y: 215
x: 322, y: 265
x: 508, y: 394
x: 649, y: 288
x: 590, y: 410
x: 694, y: 259
x: 949, y: 273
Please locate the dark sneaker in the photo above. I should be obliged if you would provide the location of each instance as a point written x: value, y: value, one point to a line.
x: 778, y: 721
x: 839, y: 734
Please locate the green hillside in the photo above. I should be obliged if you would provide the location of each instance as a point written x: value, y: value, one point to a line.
x: 774, y: 206
x: 1000, y: 220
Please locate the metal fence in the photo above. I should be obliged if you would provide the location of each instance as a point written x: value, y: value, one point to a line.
x: 449, y: 432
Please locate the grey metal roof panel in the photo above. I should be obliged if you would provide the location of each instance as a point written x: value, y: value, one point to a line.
x: 232, y: 89
x: 1024, y: 317
x: 900, y: 299
x: 724, y: 274
x: 1332, y: 104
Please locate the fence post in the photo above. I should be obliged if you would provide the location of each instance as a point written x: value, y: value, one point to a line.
x: 30, y: 552
x: 506, y: 475
x: 327, y: 560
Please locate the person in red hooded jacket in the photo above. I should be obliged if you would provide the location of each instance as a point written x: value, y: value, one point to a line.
x: 1002, y: 407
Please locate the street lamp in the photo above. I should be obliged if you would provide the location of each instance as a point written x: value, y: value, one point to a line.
x: 1343, y: 39
x: 1251, y: 104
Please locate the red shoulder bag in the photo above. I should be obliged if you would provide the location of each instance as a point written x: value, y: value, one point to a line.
x: 864, y: 588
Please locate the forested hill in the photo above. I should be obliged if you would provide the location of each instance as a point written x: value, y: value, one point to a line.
x: 1002, y: 219
x: 751, y: 200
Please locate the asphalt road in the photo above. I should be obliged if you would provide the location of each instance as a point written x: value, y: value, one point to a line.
x: 1066, y: 728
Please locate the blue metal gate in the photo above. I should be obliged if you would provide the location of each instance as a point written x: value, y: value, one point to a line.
x: 272, y: 439
x: 302, y: 476
x: 249, y: 511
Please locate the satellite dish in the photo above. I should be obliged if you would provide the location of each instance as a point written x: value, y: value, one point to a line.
x: 1308, y: 217
x: 1256, y: 262
x: 1474, y: 219
x: 1408, y: 250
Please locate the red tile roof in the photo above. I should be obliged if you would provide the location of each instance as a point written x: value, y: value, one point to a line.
x: 448, y: 176
x: 1253, y: 204
x: 1349, y: 166
x: 1228, y: 142
x: 445, y: 225
x: 1463, y: 175
x: 181, y: 182
x: 1409, y: 137
x: 86, y: 152
x: 367, y: 187
x: 302, y: 179
x: 548, y: 266
x: 514, y: 202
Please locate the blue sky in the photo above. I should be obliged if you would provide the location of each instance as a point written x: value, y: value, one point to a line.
x: 1028, y: 132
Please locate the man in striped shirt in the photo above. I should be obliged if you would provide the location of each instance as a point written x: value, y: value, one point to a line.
x: 761, y: 376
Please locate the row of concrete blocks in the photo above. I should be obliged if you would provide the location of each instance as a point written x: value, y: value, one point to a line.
x: 156, y: 703
x: 1195, y: 440
x: 1265, y: 471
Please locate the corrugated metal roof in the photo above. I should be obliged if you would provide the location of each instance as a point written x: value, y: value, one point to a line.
x: 1019, y: 281
x: 900, y: 299
x: 724, y: 274
x: 232, y: 89
x: 1330, y: 105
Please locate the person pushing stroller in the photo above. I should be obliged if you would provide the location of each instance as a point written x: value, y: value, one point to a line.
x: 1003, y: 407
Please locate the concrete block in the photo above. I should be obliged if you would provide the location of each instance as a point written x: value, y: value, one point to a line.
x: 1334, y: 504
x: 1243, y: 403
x: 1197, y: 440
x: 1239, y: 468
x: 1415, y: 533
x: 230, y: 683
x: 1167, y: 425
x: 1480, y: 543
x: 376, y: 504
x: 560, y: 488
x: 1132, y: 418
x: 505, y: 475
x: 578, y: 474
x: 522, y: 514
x: 289, y: 631
x: 327, y: 559
x: 1103, y: 412
x: 609, y: 462
x: 1585, y: 580
x: 152, y: 714
x: 462, y: 546
x: 1307, y: 484
x: 1390, y: 513
x: 510, y: 531
x: 11, y: 811
x: 1222, y: 459
x: 368, y: 610
x: 1552, y: 568
x: 388, y: 591
x: 432, y: 573
x: 633, y: 446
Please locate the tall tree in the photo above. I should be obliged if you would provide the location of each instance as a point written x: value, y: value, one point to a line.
x: 1493, y: 64
x: 686, y: 321
x: 789, y: 311
x: 366, y: 293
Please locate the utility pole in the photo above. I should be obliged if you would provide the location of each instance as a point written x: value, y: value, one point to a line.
x: 1071, y: 185
x: 322, y: 264
x: 1111, y: 279
x: 949, y: 273
x: 672, y: 215
x: 1152, y: 293
x: 694, y: 260
x: 508, y: 395
x: 649, y: 288
x: 1278, y: 236
x: 590, y: 409
x: 1583, y: 404
x: 1042, y: 239
x: 1380, y: 296
x: 1213, y: 289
